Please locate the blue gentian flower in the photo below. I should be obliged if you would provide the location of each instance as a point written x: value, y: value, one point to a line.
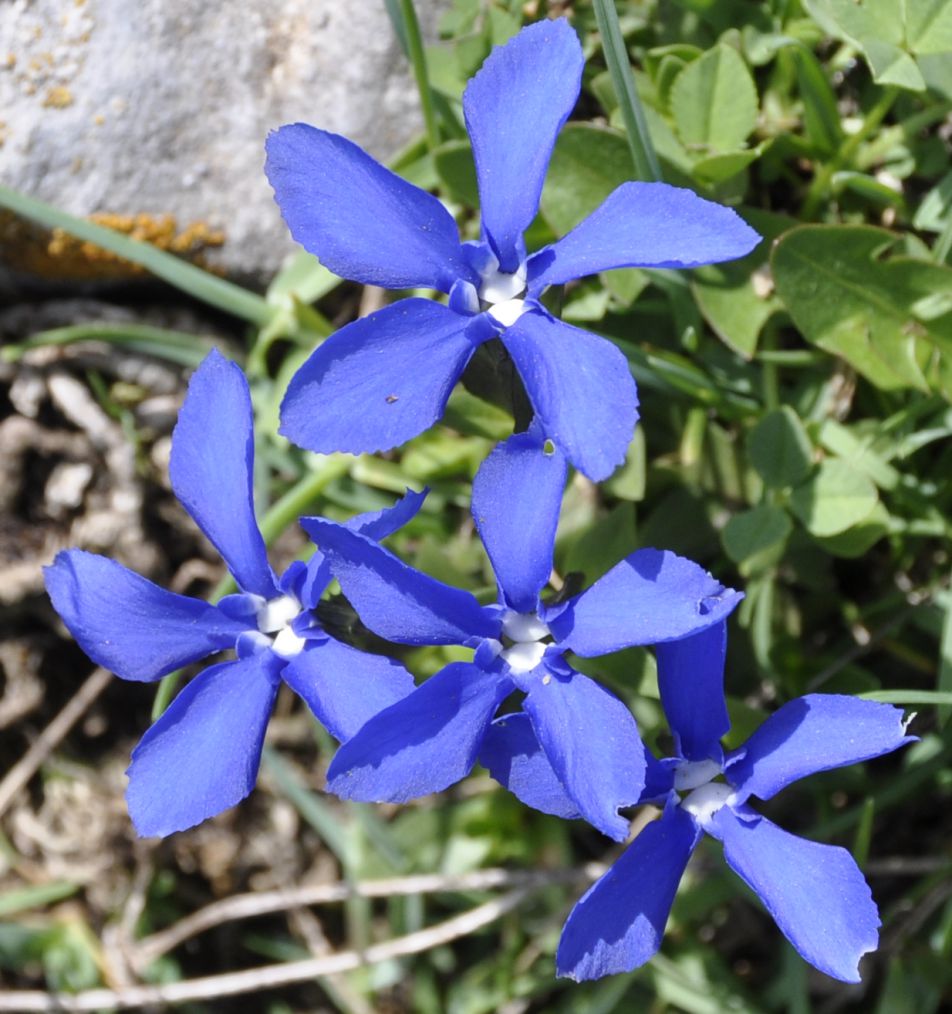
x: 365, y: 223
x: 430, y: 739
x: 815, y: 893
x: 202, y: 755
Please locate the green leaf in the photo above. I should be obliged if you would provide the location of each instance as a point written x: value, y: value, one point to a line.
x: 939, y: 698
x: 756, y: 539
x: 859, y: 539
x: 929, y: 25
x: 628, y: 482
x: 725, y: 165
x: 737, y: 298
x: 834, y: 498
x: 877, y: 313
x: 457, y: 171
x: 780, y: 449
x: 304, y: 278
x: 936, y: 207
x: 714, y: 101
x: 821, y: 118
x: 25, y: 898
x: 892, y: 65
x: 588, y: 163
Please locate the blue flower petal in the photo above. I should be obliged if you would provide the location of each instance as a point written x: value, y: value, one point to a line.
x: 512, y: 755
x: 211, y: 470
x: 580, y: 387
x: 394, y: 600
x: 344, y: 687
x: 363, y: 221
x: 375, y: 525
x: 514, y: 108
x: 423, y: 743
x: 378, y: 381
x: 517, y: 494
x: 129, y: 625
x: 202, y: 755
x: 814, y: 733
x: 593, y: 745
x: 651, y: 225
x: 378, y: 525
x: 691, y: 682
x: 618, y: 924
x: 650, y: 597
x: 815, y: 893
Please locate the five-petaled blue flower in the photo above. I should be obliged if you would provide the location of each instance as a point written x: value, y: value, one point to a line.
x: 432, y: 738
x: 815, y: 893
x: 383, y: 379
x: 202, y: 755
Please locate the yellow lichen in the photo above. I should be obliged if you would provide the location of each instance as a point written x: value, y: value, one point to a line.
x: 59, y: 255
x: 11, y: 61
x: 58, y: 97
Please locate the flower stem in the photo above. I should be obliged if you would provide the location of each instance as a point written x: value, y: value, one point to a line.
x: 821, y: 181
x: 643, y: 154
x: 414, y: 42
x: 278, y: 517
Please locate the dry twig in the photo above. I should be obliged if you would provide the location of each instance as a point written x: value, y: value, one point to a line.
x: 47, y: 741
x: 269, y: 976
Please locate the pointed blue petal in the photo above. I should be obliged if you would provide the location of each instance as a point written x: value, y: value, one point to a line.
x: 580, y: 387
x: 202, y: 755
x: 814, y: 733
x: 691, y: 681
x: 815, y: 893
x: 650, y: 225
x: 423, y: 743
x: 593, y: 745
x: 512, y: 755
x: 375, y: 525
x: 650, y: 597
x: 363, y: 221
x: 129, y: 625
x: 517, y: 494
x: 378, y: 381
x: 618, y: 924
x: 211, y: 470
x: 394, y: 600
x: 514, y: 108
x: 378, y: 525
x: 344, y: 687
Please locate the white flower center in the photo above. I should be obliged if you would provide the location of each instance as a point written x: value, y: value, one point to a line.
x: 527, y: 632
x: 706, y: 800
x: 502, y: 294
x: 508, y: 312
x: 275, y: 617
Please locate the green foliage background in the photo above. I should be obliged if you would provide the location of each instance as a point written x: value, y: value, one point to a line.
x: 794, y: 439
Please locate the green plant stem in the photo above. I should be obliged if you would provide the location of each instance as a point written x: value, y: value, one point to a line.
x: 196, y: 282
x: 822, y: 180
x: 643, y: 154
x: 286, y: 510
x: 944, y: 243
x: 175, y: 346
x: 418, y: 60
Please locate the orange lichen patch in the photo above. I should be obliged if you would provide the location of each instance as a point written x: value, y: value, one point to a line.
x: 59, y: 255
x: 58, y: 97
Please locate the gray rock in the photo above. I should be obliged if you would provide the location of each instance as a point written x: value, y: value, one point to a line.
x: 157, y: 108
